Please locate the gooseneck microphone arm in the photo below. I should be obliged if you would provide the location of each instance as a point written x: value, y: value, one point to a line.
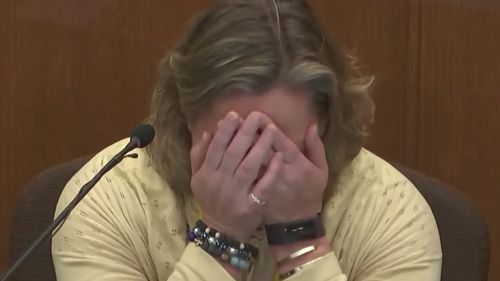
x: 140, y: 137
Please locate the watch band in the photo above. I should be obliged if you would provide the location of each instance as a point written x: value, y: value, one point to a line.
x: 284, y: 233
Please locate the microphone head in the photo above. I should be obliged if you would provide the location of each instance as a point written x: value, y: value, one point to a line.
x: 143, y: 134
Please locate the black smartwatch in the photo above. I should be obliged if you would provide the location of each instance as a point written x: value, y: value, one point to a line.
x: 284, y: 233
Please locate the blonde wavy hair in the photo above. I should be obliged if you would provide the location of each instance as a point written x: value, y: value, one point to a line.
x: 251, y: 45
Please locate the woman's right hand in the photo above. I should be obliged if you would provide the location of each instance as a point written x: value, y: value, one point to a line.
x: 225, y: 168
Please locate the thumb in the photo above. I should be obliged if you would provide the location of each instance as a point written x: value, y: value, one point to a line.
x: 314, y: 148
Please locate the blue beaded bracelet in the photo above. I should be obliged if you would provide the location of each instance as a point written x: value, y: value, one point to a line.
x: 238, y: 255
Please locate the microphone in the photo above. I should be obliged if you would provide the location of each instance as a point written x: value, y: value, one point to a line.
x: 143, y: 135
x: 140, y: 137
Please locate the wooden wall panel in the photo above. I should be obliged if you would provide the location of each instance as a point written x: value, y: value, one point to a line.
x: 76, y: 75
x: 378, y: 34
x: 459, y: 103
x: 436, y: 90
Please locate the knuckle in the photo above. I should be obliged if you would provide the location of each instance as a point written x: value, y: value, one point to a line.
x: 246, y: 169
x: 241, y: 180
x: 218, y: 144
x: 225, y: 168
x: 277, y: 168
x: 222, y: 124
x: 258, y: 149
x: 246, y: 132
x: 225, y: 128
x: 230, y: 154
x: 232, y: 123
x: 270, y: 129
x: 228, y: 125
x: 244, y: 174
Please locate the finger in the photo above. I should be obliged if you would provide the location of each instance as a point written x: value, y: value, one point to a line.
x: 269, y: 156
x: 262, y: 187
x: 240, y: 121
x: 227, y: 127
x: 243, y: 140
x: 314, y: 148
x: 199, y: 151
x: 287, y: 147
x: 249, y: 168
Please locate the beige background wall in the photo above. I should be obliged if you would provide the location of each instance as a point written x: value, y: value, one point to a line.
x: 76, y: 75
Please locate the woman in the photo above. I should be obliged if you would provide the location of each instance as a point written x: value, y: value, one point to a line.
x: 257, y: 171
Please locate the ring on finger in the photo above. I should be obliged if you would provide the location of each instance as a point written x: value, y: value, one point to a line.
x: 256, y: 200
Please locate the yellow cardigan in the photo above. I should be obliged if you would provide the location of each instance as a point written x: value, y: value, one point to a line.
x: 132, y: 227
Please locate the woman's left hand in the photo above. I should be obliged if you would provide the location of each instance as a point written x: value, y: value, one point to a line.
x: 298, y: 188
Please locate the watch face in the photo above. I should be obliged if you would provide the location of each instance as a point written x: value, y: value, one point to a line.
x: 282, y: 233
x: 301, y: 230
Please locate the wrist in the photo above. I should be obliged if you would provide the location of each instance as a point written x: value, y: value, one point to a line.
x: 240, y: 235
x: 282, y: 252
x: 234, y: 256
x: 231, y: 270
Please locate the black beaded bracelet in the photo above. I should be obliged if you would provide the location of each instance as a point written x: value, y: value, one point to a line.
x: 227, y: 240
x: 239, y: 255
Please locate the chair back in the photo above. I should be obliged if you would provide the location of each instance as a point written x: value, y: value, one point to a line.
x: 463, y: 230
x: 33, y: 213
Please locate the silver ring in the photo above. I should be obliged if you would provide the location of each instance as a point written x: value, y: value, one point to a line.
x: 257, y: 200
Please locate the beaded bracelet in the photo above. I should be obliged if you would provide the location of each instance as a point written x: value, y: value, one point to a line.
x: 238, y: 255
x: 227, y: 240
